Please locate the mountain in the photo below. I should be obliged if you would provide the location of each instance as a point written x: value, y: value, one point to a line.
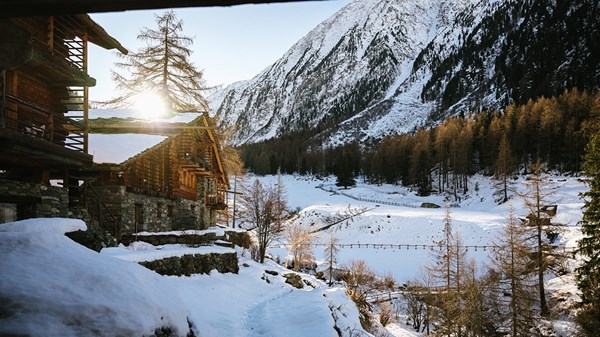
x: 384, y: 66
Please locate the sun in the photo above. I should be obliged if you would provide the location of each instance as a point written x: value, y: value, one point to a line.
x: 150, y: 105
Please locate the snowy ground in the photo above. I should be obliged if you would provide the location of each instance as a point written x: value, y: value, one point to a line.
x: 395, y: 218
x: 478, y: 218
x: 51, y: 286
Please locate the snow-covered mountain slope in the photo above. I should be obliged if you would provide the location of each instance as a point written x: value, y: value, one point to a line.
x: 338, y: 69
x: 383, y: 66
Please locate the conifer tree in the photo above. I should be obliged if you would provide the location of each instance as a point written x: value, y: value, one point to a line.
x: 162, y: 68
x: 345, y: 168
x: 480, y: 306
x: 504, y: 166
x: 536, y: 198
x: 448, y: 271
x: 511, y: 259
x: 588, y: 274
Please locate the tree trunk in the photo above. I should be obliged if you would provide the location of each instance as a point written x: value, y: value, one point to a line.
x: 540, y: 262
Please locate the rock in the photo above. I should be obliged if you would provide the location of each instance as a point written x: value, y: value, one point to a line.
x: 430, y: 205
x: 224, y: 244
x: 271, y: 272
x: 94, y: 240
x: 307, y: 282
x: 294, y: 280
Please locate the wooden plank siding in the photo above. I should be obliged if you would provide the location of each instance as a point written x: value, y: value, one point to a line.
x: 172, y: 168
x: 43, y: 103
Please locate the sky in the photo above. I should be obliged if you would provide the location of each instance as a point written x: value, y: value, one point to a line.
x: 231, y: 43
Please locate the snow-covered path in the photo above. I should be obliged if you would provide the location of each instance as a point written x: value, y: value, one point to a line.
x: 250, y: 306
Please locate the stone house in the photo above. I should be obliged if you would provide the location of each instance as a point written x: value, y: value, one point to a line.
x: 177, y: 184
x: 43, y: 111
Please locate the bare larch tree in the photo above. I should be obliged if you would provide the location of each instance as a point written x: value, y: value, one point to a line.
x: 161, y: 68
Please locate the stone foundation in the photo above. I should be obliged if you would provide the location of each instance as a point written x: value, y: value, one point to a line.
x: 22, y: 200
x: 156, y: 214
x: 195, y: 264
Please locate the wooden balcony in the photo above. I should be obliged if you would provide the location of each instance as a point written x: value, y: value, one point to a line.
x: 33, y: 137
x: 31, y: 120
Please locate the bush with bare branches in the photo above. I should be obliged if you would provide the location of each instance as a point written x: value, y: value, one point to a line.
x: 361, y: 284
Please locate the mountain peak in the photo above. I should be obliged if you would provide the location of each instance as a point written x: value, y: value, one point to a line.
x: 383, y: 66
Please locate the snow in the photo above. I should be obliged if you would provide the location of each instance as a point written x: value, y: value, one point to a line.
x: 56, y: 287
x: 219, y: 231
x: 116, y: 148
x: 144, y: 252
x: 248, y: 305
x: 52, y: 286
x: 44, y: 225
x: 478, y: 218
x: 180, y: 117
x: 331, y: 61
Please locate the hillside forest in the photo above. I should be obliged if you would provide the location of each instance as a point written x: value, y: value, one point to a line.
x: 554, y: 130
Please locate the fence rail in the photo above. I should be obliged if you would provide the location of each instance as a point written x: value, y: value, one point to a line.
x: 400, y: 246
x: 375, y: 201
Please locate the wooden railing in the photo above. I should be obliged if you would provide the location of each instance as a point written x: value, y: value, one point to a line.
x: 32, y: 120
x: 215, y: 200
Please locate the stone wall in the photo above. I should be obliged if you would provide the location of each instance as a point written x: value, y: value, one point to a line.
x: 195, y: 264
x: 168, y: 239
x: 238, y: 238
x: 158, y: 214
x: 35, y: 200
x: 205, y: 215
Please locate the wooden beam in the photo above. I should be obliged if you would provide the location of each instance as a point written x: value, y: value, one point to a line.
x: 217, y: 151
x: 28, y: 8
x: 143, y: 127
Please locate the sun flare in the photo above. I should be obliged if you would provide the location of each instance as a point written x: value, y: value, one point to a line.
x: 149, y: 105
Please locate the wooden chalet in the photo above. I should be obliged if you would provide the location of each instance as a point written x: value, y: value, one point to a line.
x: 43, y: 110
x: 178, y: 184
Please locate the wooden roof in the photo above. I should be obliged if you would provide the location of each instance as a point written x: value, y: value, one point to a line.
x: 15, y: 8
x: 97, y: 35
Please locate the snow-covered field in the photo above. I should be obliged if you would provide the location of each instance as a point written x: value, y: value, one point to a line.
x: 477, y: 217
x: 51, y: 286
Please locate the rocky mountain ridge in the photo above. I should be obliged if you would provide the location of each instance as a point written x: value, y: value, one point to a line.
x: 378, y: 67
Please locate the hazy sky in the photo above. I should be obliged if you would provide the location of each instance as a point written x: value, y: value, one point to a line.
x: 231, y: 43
